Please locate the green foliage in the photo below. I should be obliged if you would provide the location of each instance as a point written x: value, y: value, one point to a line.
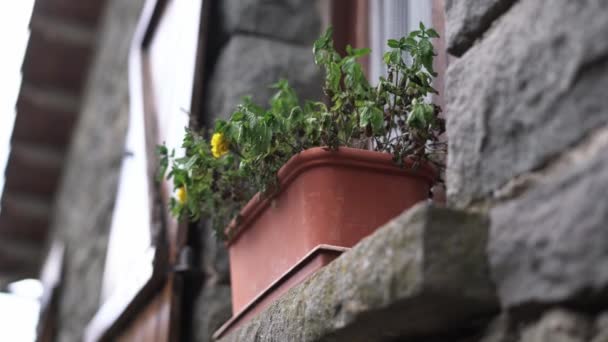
x: 394, y: 116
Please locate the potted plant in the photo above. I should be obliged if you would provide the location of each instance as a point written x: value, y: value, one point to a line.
x: 288, y: 187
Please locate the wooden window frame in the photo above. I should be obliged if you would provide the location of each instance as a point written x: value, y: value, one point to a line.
x: 113, y: 313
x: 113, y: 317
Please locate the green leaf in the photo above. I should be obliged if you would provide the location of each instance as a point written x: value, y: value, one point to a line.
x: 421, y: 26
x: 237, y: 116
x: 354, y: 78
x: 427, y: 61
x: 191, y: 161
x: 358, y: 53
x: 429, y: 114
x: 372, y: 115
x: 162, y: 150
x: 426, y: 47
x: 432, y: 33
x: 421, y: 116
x: 393, y: 43
x: 377, y: 120
x: 220, y: 125
x: 338, y: 102
x: 334, y: 76
x: 396, y: 57
x: 408, y: 42
x: 387, y: 58
x: 392, y: 57
x: 426, y: 55
x: 179, y: 178
x: 324, y: 41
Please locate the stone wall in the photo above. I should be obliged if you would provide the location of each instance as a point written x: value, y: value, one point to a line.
x: 256, y: 43
x: 522, y: 253
x: 86, y: 196
x: 527, y: 123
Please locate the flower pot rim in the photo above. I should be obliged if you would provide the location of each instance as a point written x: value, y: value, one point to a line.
x: 324, y: 156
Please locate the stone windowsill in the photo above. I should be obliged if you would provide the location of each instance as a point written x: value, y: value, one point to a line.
x: 423, y: 274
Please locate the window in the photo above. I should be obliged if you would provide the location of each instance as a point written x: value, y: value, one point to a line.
x: 161, y: 79
x: 390, y: 19
x: 166, y: 70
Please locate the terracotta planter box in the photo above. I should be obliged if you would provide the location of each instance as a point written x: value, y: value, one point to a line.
x: 327, y: 197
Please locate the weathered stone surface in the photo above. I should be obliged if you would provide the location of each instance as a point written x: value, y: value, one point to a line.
x: 534, y: 86
x: 557, y: 326
x: 86, y: 196
x: 214, y: 261
x: 421, y: 274
x: 213, y: 308
x: 467, y: 21
x: 499, y: 330
x: 289, y: 20
x: 601, y: 328
x: 249, y: 65
x: 551, y: 243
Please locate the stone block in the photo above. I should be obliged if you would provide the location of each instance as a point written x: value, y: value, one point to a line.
x: 213, y: 308
x: 250, y: 65
x: 296, y: 21
x: 600, y: 328
x: 535, y: 85
x: 467, y: 21
x: 499, y: 330
x: 422, y: 274
x: 550, y: 244
x: 214, y: 258
x: 557, y: 326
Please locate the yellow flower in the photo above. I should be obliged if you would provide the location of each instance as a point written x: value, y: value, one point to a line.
x: 181, y: 195
x: 219, y: 145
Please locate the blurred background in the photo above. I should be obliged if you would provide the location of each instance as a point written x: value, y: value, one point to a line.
x: 19, y: 300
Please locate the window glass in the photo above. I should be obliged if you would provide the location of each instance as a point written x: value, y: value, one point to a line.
x: 160, y: 93
x: 391, y: 19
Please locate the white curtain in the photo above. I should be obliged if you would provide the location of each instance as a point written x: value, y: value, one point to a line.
x: 392, y: 19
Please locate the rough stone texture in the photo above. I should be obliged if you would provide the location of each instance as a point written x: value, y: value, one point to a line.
x: 557, y: 326
x: 87, y: 192
x: 467, y: 21
x: 249, y: 65
x: 214, y: 308
x: 424, y: 273
x: 214, y: 261
x: 532, y: 87
x: 499, y: 330
x: 601, y: 328
x: 551, y: 243
x: 288, y: 20
x: 213, y: 305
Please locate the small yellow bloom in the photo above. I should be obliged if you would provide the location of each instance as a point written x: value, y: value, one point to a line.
x: 219, y: 145
x: 181, y: 195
